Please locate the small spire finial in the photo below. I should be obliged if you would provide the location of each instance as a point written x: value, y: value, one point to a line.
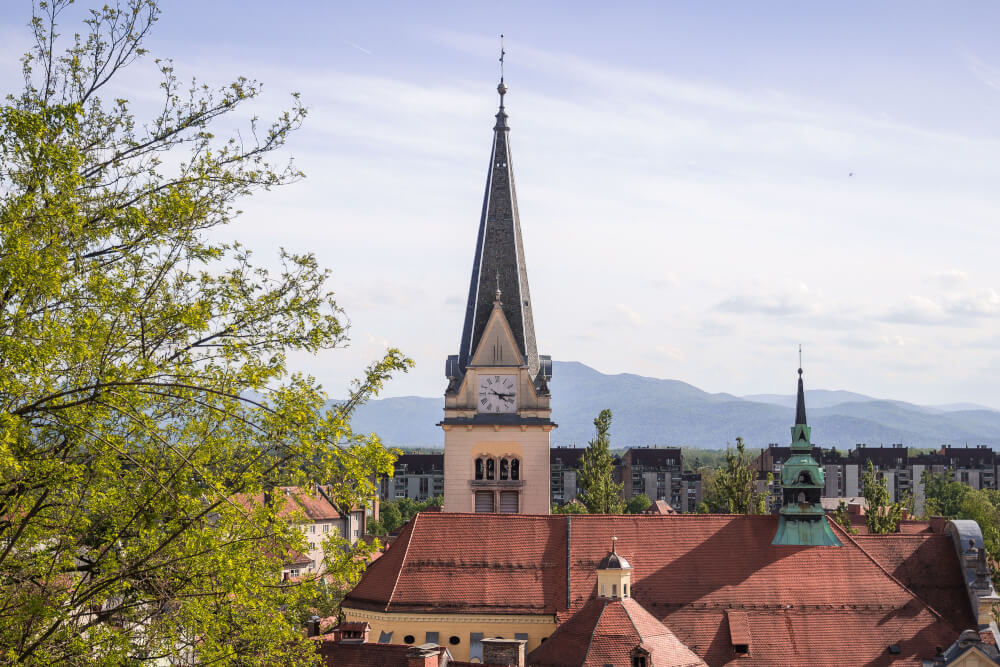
x: 800, y: 358
x: 498, y: 293
x: 501, y: 87
x: 614, y: 541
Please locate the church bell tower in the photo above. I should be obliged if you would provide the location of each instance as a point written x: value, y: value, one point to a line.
x: 497, y: 414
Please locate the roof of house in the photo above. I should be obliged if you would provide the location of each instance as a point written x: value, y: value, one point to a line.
x: 606, y: 632
x: 660, y: 507
x: 420, y: 464
x: 296, y: 503
x: 688, y: 570
x: 652, y: 456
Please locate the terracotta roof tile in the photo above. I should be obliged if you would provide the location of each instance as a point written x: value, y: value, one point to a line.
x: 688, y: 570
x: 606, y: 632
x: 928, y: 566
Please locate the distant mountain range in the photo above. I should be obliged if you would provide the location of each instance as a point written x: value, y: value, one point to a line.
x: 650, y: 411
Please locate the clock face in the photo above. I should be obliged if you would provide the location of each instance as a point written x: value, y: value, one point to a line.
x: 497, y: 393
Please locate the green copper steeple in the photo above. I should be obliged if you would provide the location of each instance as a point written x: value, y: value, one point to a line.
x: 803, y: 521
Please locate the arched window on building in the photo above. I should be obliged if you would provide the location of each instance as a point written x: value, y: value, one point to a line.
x: 515, y: 469
x: 479, y: 468
x: 504, y: 469
x: 491, y: 469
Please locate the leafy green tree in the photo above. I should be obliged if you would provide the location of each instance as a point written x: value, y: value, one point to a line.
x: 943, y: 495
x: 882, y: 515
x: 734, y: 485
x: 600, y: 493
x: 843, y: 517
x: 572, y: 507
x: 396, y: 513
x: 143, y: 375
x: 638, y: 504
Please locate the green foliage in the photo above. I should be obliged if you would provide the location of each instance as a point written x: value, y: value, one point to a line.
x: 572, y: 507
x: 600, y: 493
x: 956, y: 500
x: 943, y: 494
x: 882, y: 516
x: 841, y: 516
x: 638, y: 504
x: 396, y: 513
x: 734, y: 487
x: 144, y: 381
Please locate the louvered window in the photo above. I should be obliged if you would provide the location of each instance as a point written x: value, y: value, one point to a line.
x: 508, y: 502
x: 484, y: 501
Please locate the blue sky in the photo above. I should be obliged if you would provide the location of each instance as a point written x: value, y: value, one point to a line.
x: 683, y: 170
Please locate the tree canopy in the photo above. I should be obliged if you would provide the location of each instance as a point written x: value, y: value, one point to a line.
x: 599, y: 491
x: 882, y: 514
x: 734, y: 487
x: 144, y: 379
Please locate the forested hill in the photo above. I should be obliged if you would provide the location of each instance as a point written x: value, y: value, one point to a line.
x: 651, y: 411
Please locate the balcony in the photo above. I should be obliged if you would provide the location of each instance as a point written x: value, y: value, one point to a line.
x: 496, y: 483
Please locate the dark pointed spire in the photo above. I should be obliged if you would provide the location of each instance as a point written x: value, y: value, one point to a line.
x: 800, y: 404
x: 499, y: 262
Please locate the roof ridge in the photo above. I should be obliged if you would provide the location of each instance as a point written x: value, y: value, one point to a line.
x: 899, y: 583
x: 402, y: 562
x: 632, y: 620
x: 593, y: 630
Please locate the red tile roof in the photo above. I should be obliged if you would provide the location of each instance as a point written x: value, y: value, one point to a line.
x: 606, y: 632
x: 928, y: 565
x: 804, y: 605
x: 296, y: 502
x: 365, y: 655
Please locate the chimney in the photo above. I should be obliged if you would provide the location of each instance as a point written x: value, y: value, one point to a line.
x: 312, y: 627
x: 497, y: 651
x: 351, y: 633
x: 425, y: 655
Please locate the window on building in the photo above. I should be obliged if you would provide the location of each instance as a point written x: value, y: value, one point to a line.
x: 491, y: 469
x: 409, y: 639
x: 479, y: 468
x: 293, y: 572
x: 424, y: 487
x: 312, y: 528
x: 326, y: 528
x: 357, y: 532
x: 624, y: 590
x: 484, y: 501
x: 509, y: 502
x: 504, y: 469
x: 639, y: 661
x: 312, y: 546
x: 614, y: 590
x: 515, y: 469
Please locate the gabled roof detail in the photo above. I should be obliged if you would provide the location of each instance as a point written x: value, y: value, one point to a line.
x: 497, y: 345
x: 499, y: 261
x: 608, y: 632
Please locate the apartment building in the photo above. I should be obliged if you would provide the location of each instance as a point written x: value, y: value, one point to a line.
x: 416, y: 476
x: 975, y: 466
x: 564, y: 468
x: 659, y: 473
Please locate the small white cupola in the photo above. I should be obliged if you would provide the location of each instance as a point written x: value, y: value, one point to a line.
x: 614, y: 575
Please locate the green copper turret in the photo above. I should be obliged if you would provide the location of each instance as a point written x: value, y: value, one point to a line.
x: 803, y: 521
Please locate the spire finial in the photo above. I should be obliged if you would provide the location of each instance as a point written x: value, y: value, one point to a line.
x: 501, y: 87
x: 614, y: 541
x: 498, y: 293
x: 800, y: 401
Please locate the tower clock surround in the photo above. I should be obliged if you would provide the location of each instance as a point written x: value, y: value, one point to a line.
x: 497, y: 412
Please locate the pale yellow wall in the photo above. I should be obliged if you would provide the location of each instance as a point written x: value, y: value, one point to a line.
x: 973, y: 658
x: 446, y: 625
x: 619, y: 578
x: 463, y: 445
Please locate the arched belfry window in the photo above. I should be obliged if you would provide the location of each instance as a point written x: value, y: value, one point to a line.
x: 805, y: 477
x: 515, y: 469
x: 491, y: 469
x: 479, y: 468
x: 504, y: 469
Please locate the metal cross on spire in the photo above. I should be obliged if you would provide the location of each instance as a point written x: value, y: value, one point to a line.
x: 502, y: 54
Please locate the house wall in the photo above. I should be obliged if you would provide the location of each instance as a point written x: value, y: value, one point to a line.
x: 536, y: 627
